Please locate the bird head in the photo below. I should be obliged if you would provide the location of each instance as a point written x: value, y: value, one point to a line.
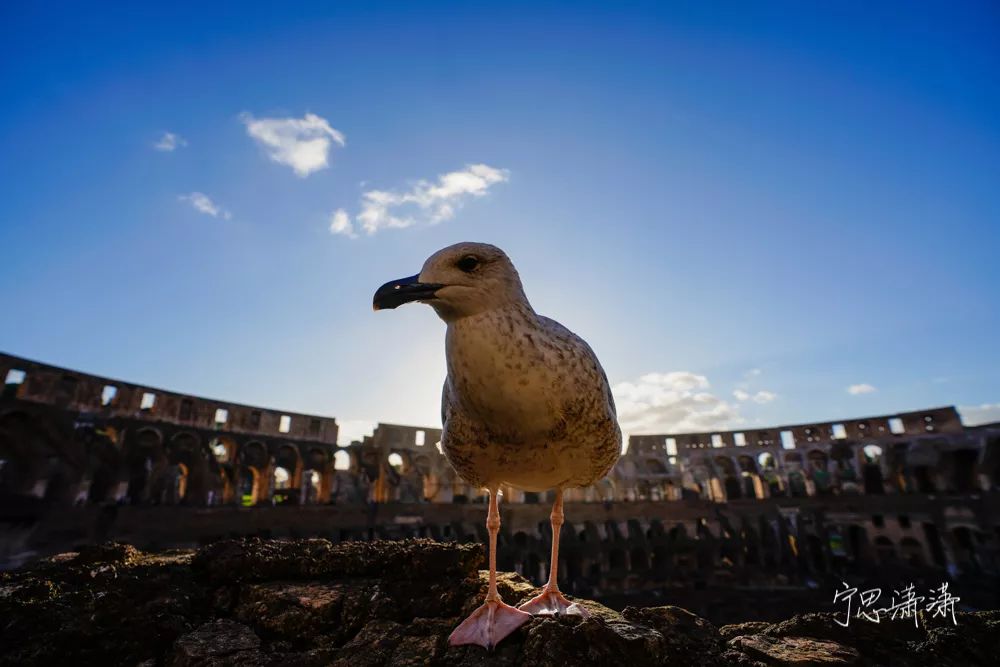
x: 458, y: 281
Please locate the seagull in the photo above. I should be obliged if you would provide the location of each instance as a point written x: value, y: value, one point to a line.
x: 526, y: 403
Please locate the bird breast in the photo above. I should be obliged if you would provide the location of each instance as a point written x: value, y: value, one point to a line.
x: 512, y: 375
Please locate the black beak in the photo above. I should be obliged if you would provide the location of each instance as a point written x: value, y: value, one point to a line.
x: 397, y: 292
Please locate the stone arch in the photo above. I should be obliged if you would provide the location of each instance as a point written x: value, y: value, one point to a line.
x: 857, y: 542
x: 638, y: 559
x: 870, y: 459
x: 104, y: 463
x: 184, y: 479
x: 819, y: 471
x: 315, y: 476
x: 817, y: 559
x: 730, y: 478
x: 145, y: 461
x: 842, y: 454
x: 752, y: 485
x: 253, y: 470
x: 286, y: 474
x: 963, y: 538
x: 221, y: 461
x: 769, y: 474
x: 533, y: 567
x: 26, y: 453
x: 961, y: 468
x: 797, y: 487
x: 885, y: 550
x: 912, y: 552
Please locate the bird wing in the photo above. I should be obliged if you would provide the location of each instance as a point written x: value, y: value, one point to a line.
x: 459, y: 437
x: 584, y: 352
x: 445, y: 403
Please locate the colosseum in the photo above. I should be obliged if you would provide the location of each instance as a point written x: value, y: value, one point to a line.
x: 86, y: 458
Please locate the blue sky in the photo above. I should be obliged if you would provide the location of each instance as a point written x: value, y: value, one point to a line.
x: 745, y: 208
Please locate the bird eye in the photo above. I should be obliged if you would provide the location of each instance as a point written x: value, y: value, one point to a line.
x: 468, y: 263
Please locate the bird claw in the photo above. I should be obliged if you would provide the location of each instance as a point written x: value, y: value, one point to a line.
x: 553, y: 603
x: 488, y: 625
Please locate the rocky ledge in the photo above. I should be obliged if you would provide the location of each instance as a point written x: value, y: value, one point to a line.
x: 312, y: 602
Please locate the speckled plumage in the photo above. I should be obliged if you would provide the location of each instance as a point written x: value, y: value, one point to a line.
x: 525, y: 403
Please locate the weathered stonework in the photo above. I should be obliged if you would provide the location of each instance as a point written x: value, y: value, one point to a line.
x: 311, y: 602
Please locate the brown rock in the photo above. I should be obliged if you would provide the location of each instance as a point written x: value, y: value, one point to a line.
x: 219, y: 643
x: 795, y: 651
x: 727, y: 632
x: 688, y: 639
x: 313, y: 603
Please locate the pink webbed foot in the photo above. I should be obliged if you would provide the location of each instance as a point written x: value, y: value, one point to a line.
x: 488, y: 625
x: 553, y: 603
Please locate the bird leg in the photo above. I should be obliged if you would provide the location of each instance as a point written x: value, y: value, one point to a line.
x: 494, y: 620
x: 551, y: 600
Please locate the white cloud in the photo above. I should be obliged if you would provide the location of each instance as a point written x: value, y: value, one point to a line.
x: 858, y: 389
x: 300, y: 143
x: 672, y: 403
x: 340, y: 223
x: 426, y: 202
x: 203, y: 204
x: 753, y: 372
x: 170, y: 142
x: 349, y: 430
x: 762, y: 397
x: 980, y: 414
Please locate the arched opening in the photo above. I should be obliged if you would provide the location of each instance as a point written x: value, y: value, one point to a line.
x: 223, y: 450
x: 965, y: 549
x: 639, y: 560
x: 177, y: 488
x: 341, y: 460
x: 22, y: 462
x: 857, y: 541
x: 286, y: 480
x: 912, y: 552
x: 144, y: 454
x: 281, y: 484
x: 661, y: 561
x: 533, y: 568
x: 573, y: 570
x: 769, y: 473
x: 845, y: 471
x: 963, y: 467
x: 730, y: 479
x: 252, y: 485
x: 819, y: 472
x: 316, y: 464
x: 753, y: 486
x: 885, y: 550
x: 751, y: 549
x: 311, y: 487
x: 248, y: 485
x: 871, y: 456
x: 816, y: 557
x: 104, y: 463
x: 923, y: 476
x: 183, y: 479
